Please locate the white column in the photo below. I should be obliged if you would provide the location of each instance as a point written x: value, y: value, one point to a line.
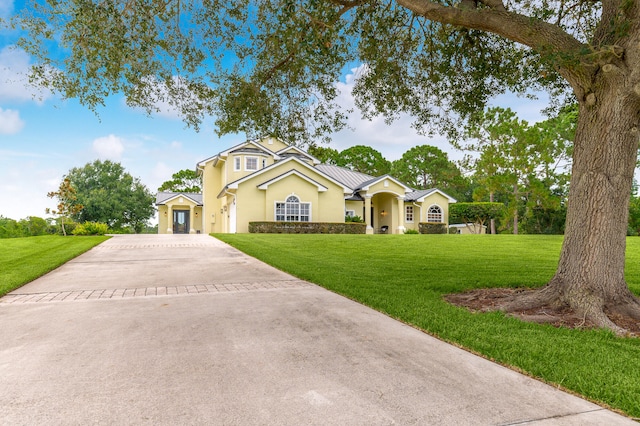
x: 401, y: 227
x: 169, y: 220
x: 367, y: 213
x: 191, y: 219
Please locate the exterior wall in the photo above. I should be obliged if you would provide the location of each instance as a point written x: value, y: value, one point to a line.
x: 386, y: 185
x: 386, y: 210
x: 417, y: 211
x: 273, y: 144
x: 164, y: 218
x: 249, y: 203
x: 439, y: 200
x: 255, y: 204
x: 356, y: 206
x: 212, y: 184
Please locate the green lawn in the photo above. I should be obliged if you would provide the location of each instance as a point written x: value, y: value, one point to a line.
x: 406, y: 276
x: 25, y: 259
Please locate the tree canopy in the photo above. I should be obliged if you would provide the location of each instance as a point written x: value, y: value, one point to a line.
x: 427, y: 166
x: 110, y: 195
x: 271, y: 67
x: 363, y: 159
x: 183, y: 181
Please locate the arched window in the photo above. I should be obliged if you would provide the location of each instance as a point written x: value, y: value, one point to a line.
x: 434, y: 214
x: 292, y: 210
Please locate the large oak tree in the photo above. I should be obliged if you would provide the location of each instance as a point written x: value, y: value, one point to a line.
x: 270, y: 66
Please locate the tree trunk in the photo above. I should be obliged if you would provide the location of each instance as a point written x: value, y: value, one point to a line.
x: 590, y: 275
x: 515, y: 212
x: 493, y: 221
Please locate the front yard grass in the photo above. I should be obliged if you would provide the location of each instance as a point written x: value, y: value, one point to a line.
x: 406, y: 277
x: 25, y: 259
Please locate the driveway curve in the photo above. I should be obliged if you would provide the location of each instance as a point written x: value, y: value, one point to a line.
x: 173, y: 329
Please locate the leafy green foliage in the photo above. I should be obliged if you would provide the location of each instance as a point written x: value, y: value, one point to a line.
x: 524, y: 165
x: 324, y: 154
x: 33, y: 226
x: 363, y: 159
x: 478, y: 213
x: 111, y: 195
x: 406, y: 279
x: 354, y: 219
x: 91, y: 228
x: 68, y: 204
x: 426, y: 166
x: 183, y: 181
x: 270, y: 67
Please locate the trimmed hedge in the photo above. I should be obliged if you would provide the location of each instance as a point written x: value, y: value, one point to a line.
x: 432, y: 228
x: 306, y: 228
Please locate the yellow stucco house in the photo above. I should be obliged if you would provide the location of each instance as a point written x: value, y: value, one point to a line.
x: 268, y: 180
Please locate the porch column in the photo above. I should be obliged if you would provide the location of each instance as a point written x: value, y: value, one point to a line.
x: 191, y: 219
x: 367, y: 213
x: 400, y: 215
x: 169, y: 219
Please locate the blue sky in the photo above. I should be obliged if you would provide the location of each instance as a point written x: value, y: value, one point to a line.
x: 43, y: 136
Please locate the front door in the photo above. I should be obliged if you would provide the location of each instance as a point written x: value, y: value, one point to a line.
x: 181, y: 221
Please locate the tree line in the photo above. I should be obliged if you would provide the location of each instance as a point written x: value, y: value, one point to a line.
x: 97, y: 197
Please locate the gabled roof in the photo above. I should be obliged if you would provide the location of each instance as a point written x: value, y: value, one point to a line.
x: 265, y: 185
x: 252, y: 147
x: 348, y: 177
x: 366, y: 185
x: 421, y: 194
x: 298, y: 152
x: 165, y: 197
x: 234, y: 184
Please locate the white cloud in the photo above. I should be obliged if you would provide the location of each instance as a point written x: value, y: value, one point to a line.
x: 109, y: 147
x: 10, y: 121
x: 14, y: 81
x: 392, y: 140
x: 6, y: 8
x: 161, y: 172
x: 176, y: 145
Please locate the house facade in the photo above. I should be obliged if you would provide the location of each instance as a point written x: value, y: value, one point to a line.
x: 268, y: 180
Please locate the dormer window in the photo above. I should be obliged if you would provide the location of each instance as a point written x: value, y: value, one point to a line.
x: 251, y: 163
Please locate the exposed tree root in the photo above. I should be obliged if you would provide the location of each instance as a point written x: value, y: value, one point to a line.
x: 546, y: 305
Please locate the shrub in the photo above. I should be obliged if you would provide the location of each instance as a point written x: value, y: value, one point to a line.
x: 306, y: 228
x: 432, y: 228
x: 91, y: 228
x: 353, y: 219
x: 411, y: 231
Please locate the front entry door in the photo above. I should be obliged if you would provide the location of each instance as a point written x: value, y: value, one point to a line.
x: 181, y: 221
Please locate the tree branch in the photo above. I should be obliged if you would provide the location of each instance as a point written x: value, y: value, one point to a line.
x: 539, y: 35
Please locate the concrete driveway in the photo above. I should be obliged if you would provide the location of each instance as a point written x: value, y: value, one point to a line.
x: 177, y: 330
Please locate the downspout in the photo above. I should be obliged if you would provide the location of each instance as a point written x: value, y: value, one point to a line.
x: 203, y: 219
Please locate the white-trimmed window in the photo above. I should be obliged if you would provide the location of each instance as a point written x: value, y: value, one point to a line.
x: 408, y: 214
x: 292, y: 210
x: 251, y: 163
x: 350, y: 213
x: 434, y: 214
x: 237, y: 163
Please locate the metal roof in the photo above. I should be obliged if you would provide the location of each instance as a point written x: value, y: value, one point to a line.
x: 163, y: 197
x: 345, y: 176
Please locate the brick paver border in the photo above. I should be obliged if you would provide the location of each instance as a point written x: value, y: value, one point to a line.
x: 127, y: 293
